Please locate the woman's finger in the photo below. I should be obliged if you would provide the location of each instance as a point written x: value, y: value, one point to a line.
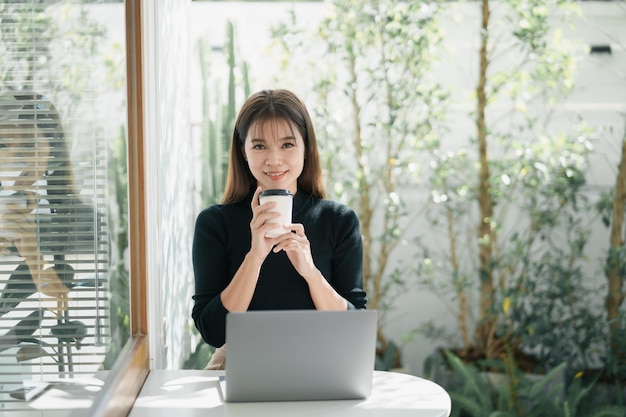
x: 298, y: 228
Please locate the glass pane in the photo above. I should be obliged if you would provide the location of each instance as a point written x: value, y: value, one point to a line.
x: 64, y: 301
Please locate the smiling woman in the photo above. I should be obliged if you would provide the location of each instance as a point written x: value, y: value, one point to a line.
x: 315, y: 262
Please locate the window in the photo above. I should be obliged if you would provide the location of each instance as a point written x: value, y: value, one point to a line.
x: 64, y: 235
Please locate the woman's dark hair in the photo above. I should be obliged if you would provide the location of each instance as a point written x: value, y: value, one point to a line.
x: 34, y: 112
x: 262, y: 107
x: 72, y: 220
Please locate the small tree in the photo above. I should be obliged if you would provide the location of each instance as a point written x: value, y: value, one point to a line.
x: 613, y: 209
x: 521, y: 212
x: 615, y: 265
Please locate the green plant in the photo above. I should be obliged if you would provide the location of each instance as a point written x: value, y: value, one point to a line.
x: 612, y: 207
x: 63, y: 79
x: 200, y: 356
x: 614, y: 363
x: 376, y: 111
x: 474, y: 395
x: 119, y: 274
x: 553, y: 317
x: 218, y: 116
x: 513, y: 209
x: 477, y: 396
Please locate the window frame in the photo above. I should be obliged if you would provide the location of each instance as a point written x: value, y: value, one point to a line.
x: 131, y: 369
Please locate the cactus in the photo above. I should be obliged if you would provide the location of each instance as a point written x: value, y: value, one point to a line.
x: 217, y: 127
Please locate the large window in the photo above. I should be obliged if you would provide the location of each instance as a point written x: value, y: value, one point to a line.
x: 64, y: 275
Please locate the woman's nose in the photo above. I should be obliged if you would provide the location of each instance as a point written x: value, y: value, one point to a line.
x: 273, y: 157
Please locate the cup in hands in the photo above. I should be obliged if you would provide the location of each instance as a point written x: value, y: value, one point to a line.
x: 284, y: 205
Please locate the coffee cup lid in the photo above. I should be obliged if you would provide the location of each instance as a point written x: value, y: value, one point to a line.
x: 265, y: 193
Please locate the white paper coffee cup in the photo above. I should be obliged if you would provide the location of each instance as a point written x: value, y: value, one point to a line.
x: 284, y: 206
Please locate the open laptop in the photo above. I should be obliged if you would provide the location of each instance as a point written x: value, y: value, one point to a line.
x: 298, y: 355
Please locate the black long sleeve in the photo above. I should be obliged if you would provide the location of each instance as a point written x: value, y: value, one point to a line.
x: 222, y: 240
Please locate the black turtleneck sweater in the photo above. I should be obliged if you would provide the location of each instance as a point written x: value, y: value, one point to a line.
x: 222, y: 240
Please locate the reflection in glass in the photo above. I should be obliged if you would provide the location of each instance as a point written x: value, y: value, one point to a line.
x: 63, y: 279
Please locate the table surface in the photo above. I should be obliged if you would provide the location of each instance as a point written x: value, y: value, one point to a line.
x: 62, y: 398
x: 185, y: 393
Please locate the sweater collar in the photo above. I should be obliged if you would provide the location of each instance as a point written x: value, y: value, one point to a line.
x: 300, y: 202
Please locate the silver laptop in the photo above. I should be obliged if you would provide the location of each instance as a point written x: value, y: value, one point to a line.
x: 298, y: 355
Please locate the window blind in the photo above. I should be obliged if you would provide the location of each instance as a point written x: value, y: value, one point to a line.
x: 54, y: 217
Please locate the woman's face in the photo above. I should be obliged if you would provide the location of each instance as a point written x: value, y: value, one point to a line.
x: 275, y: 153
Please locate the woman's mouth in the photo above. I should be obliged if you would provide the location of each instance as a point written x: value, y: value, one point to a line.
x: 275, y: 175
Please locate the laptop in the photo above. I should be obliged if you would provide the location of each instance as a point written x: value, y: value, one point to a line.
x: 299, y: 355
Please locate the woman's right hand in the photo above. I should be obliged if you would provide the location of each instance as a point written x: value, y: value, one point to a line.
x: 261, y: 245
x: 239, y: 292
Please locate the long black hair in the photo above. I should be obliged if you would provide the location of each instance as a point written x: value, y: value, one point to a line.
x: 71, y: 221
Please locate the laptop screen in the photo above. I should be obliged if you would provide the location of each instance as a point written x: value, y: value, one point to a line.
x: 293, y: 355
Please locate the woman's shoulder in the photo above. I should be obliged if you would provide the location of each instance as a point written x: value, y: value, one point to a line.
x: 334, y: 209
x: 335, y: 206
x: 332, y: 218
x: 219, y: 211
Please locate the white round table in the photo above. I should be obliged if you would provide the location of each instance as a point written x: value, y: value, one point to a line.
x: 198, y: 393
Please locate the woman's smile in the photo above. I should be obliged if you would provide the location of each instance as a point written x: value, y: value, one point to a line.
x: 276, y: 175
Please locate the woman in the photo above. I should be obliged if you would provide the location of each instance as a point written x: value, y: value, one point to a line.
x: 315, y: 264
x: 43, y: 219
x: 33, y: 157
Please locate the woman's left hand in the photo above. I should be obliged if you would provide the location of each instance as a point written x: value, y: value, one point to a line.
x: 298, y: 249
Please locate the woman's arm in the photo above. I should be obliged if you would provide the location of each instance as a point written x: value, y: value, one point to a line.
x: 238, y: 294
x: 216, y: 292
x: 347, y: 259
x: 343, y: 288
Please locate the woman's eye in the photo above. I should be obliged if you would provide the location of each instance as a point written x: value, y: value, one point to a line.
x: 289, y: 145
x: 258, y: 147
